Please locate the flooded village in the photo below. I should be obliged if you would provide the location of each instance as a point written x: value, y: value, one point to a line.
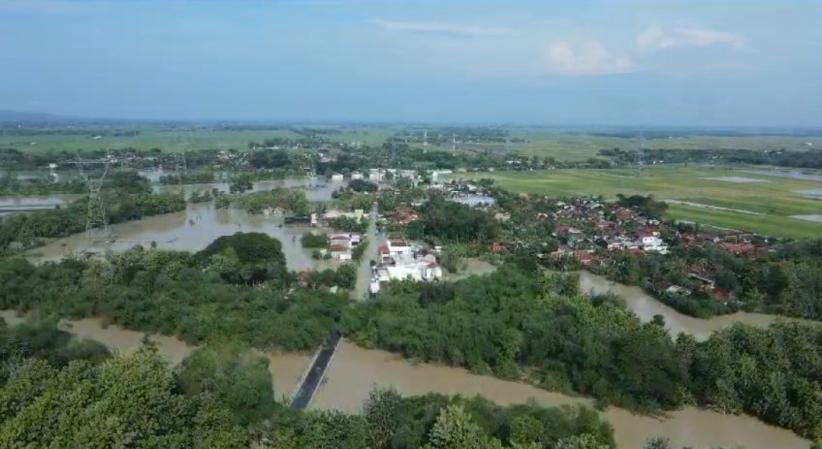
x: 588, y: 234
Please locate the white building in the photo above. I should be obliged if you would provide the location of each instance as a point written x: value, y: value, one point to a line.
x: 654, y: 244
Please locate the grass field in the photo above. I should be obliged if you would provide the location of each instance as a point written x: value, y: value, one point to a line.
x: 762, y: 207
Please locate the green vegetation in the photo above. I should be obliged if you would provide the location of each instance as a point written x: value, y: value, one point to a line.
x: 221, y: 396
x: 314, y: 240
x: 237, y: 378
x: 249, y: 258
x: 348, y: 224
x: 519, y: 324
x: 174, y: 294
x: 123, y: 402
x: 447, y: 221
x: 359, y: 250
x: 786, y: 282
x: 776, y: 198
x: 126, y: 197
x: 11, y: 185
x: 291, y: 200
x: 193, y: 177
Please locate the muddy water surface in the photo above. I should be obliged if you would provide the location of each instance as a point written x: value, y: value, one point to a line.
x: 189, y: 230
x: 646, y: 306
x: 354, y: 371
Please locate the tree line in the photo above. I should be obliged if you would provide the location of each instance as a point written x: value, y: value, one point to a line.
x: 520, y: 324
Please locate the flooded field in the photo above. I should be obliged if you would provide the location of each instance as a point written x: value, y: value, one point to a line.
x: 355, y: 371
x: 37, y: 200
x: 809, y: 175
x: 315, y: 189
x: 738, y: 179
x: 811, y: 193
x: 190, y: 230
x: 816, y: 218
x: 646, y: 306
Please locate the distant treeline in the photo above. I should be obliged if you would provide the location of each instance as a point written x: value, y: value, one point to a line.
x: 798, y: 159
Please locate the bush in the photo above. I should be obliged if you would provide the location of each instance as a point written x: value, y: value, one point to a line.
x: 314, y: 240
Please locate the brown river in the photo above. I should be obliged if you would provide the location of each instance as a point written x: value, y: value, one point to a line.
x: 286, y: 368
x: 354, y: 371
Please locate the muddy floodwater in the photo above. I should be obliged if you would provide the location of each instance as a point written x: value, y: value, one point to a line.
x: 646, y: 306
x: 316, y: 190
x: 196, y: 227
x: 354, y: 371
x: 189, y: 230
x: 286, y: 368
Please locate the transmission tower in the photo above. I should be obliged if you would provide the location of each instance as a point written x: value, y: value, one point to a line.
x: 641, y: 161
x: 96, y: 208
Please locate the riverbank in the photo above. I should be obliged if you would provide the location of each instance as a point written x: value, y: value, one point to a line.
x: 646, y: 307
x: 355, y: 371
x: 286, y: 368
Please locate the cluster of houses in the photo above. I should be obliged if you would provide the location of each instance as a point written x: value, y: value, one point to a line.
x: 377, y: 175
x: 463, y: 192
x: 399, y: 260
x: 585, y: 225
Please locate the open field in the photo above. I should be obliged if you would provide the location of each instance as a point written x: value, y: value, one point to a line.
x: 561, y: 145
x: 776, y: 200
x: 167, y: 140
x: 580, y: 146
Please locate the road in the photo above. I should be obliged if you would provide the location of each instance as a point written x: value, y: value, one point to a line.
x: 364, y: 271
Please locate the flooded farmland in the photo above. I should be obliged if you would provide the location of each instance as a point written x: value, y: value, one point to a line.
x: 196, y: 227
x: 189, y: 230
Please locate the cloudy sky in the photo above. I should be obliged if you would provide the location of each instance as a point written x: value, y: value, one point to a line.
x: 651, y: 62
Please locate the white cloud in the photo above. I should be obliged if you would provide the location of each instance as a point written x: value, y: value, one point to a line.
x: 451, y: 29
x: 591, y: 58
x: 656, y: 38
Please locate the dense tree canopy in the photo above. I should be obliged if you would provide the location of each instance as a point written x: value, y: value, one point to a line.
x: 448, y: 221
x: 172, y: 293
x: 123, y: 402
x: 249, y: 258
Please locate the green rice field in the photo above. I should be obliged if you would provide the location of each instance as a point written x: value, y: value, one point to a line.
x: 743, y: 201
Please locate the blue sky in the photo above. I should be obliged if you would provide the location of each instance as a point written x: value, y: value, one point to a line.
x: 654, y: 62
